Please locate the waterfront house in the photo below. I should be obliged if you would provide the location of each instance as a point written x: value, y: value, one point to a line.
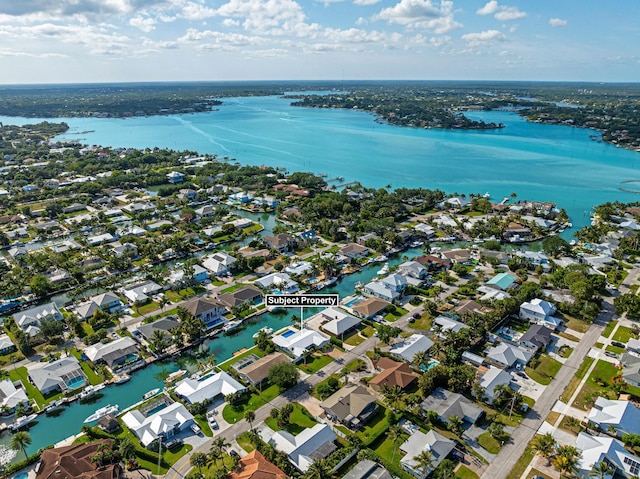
x: 208, y: 386
x: 166, y: 325
x: 29, y: 319
x: 76, y: 461
x: 248, y: 295
x: 596, y: 449
x: 299, y: 342
x: 310, y: 445
x: 164, y: 423
x: 506, y: 356
x: 11, y: 396
x: 438, y: 445
x: 17, y: 252
x: 200, y: 275
x: 6, y: 345
x: 140, y: 293
x: 367, y: 469
x: 469, y: 306
x: 433, y: 262
x: 175, y: 177
x: 457, y: 255
x: 206, y: 210
x: 410, y: 346
x: 108, y: 302
x: 337, y: 321
x: 351, y: 405
x: 59, y: 375
x: 381, y: 291
x: 255, y: 466
x: 446, y: 404
x: 354, y: 251
x: 369, y: 308
x: 623, y: 416
x: 211, y: 311
x: 282, y: 242
x: 100, y: 239
x: 298, y: 268
x: 537, y: 337
x: 413, y: 269
x: 219, y: 263
x: 394, y: 374
x: 255, y: 370
x: 502, y: 281
x: 489, y: 379
x: 281, y: 282
x: 115, y: 353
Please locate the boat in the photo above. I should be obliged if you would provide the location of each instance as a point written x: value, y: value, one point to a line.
x: 267, y: 330
x: 231, y: 325
x: 54, y: 406
x: 175, y: 376
x: 381, y: 258
x: 90, y: 391
x: 121, y: 379
x: 416, y: 244
x: 383, y: 270
x: 103, y: 411
x: 150, y: 394
x: 22, y: 421
x: 486, y: 196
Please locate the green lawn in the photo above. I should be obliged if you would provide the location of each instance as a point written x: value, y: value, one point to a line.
x: 521, y: 465
x: 575, y: 380
x: 201, y: 419
x: 395, y: 314
x: 147, y: 308
x: 623, y: 334
x: 489, y: 443
x: 422, y: 324
x: 244, y: 442
x: 565, y: 351
x: 385, y: 449
x: 21, y: 374
x: 172, y: 296
x: 377, y: 425
x: 615, y: 349
x: 326, y: 380
x: 299, y: 420
x: 355, y: 338
x: 226, y: 365
x: 518, y: 324
x: 92, y: 376
x: 463, y: 472
x: 545, y: 370
x: 575, y: 323
x: 233, y: 287
x: 233, y: 414
x: 597, y: 384
x: 609, y: 328
x: 315, y: 363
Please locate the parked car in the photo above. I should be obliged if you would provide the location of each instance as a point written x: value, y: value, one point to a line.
x: 196, y: 429
x: 173, y: 444
x: 212, y: 420
x: 618, y: 344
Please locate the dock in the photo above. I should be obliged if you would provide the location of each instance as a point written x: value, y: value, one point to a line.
x: 349, y: 183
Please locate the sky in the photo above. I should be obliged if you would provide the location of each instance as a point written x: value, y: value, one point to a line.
x: 76, y: 41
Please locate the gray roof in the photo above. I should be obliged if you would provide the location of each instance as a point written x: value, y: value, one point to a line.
x: 349, y: 401
x: 447, y: 404
x: 36, y: 314
x: 538, y: 335
x: 437, y: 444
x: 164, y: 324
x: 56, y: 373
x: 367, y: 470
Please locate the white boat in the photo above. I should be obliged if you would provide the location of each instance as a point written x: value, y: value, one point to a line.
x: 416, y: 244
x: 90, y: 391
x: 23, y: 421
x: 267, y: 330
x: 150, y: 394
x: 121, y: 379
x: 231, y: 325
x: 54, y: 406
x: 103, y: 411
x: 381, y: 258
x: 486, y: 196
x: 383, y: 270
x: 175, y: 375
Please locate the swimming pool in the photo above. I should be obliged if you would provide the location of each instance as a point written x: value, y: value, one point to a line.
x: 75, y: 382
x: 353, y: 302
x: 22, y: 475
x: 429, y: 365
x: 288, y: 333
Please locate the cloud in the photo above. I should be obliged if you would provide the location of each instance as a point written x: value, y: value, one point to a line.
x: 483, y: 38
x: 262, y: 15
x: 144, y: 24
x: 8, y: 52
x: 558, y: 22
x: 501, y: 13
x: 86, y: 9
x: 421, y: 14
x: 229, y: 22
x: 366, y: 2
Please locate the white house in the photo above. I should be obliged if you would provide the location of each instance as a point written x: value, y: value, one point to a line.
x: 491, y: 379
x: 340, y: 322
x: 164, y: 423
x: 114, y: 353
x: 59, y: 375
x: 539, y: 311
x: 29, y: 319
x: 300, y: 341
x: 596, y: 449
x: 445, y: 324
x: 219, y: 263
x: 506, y: 355
x: 433, y: 442
x: 624, y: 416
x: 11, y: 397
x: 412, y: 345
x: 141, y: 292
x: 207, y: 387
x: 278, y: 282
x: 309, y: 445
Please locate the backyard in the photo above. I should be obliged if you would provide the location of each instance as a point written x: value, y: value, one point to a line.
x: 251, y: 402
x: 299, y: 420
x: 545, y: 369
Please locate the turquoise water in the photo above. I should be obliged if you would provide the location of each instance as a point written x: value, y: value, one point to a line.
x: 75, y: 382
x: 543, y: 162
x: 287, y: 333
x: 431, y: 364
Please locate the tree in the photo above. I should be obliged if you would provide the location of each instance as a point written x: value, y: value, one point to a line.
x: 199, y: 460
x: 284, y: 375
x: 51, y: 328
x: 19, y: 442
x: 250, y: 416
x: 40, y: 285
x: 566, y: 460
x: 424, y: 461
x: 601, y: 470
x: 159, y: 341
x: 218, y: 448
x: 393, y: 395
x: 455, y: 425
x: 544, y: 445
x: 319, y: 469
x: 126, y: 448
x: 395, y: 434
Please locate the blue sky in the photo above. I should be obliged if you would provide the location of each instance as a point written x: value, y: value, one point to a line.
x: 44, y: 41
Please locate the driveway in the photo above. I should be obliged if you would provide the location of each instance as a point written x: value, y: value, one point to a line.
x: 527, y: 386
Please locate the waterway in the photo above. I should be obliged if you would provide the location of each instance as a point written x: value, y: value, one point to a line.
x: 536, y: 161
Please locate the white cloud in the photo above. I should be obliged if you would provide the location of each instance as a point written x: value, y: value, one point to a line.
x: 421, y: 14
x: 228, y: 22
x: 262, y: 15
x: 558, y: 22
x: 501, y: 12
x: 482, y: 38
x: 144, y: 24
x: 365, y: 2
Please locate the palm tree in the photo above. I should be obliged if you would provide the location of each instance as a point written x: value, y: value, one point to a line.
x: 424, y: 461
x: 567, y: 460
x: 199, y: 460
x: 420, y: 358
x: 218, y: 448
x: 159, y: 341
x: 455, y: 424
x: 392, y: 395
x: 601, y: 470
x: 395, y: 434
x: 19, y: 442
x: 163, y: 302
x: 250, y: 416
x: 319, y: 470
x: 126, y: 448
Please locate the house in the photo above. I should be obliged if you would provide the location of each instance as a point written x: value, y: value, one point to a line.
x: 108, y: 302
x: 393, y: 374
x: 507, y: 355
x: 165, y: 422
x: 413, y: 269
x: 300, y: 341
x: 469, y: 306
x: 339, y: 322
x: 298, y: 268
x: 59, y: 375
x: 140, y: 293
x: 631, y: 373
x: 412, y: 345
x: 166, y: 325
x: 206, y: 210
x: 446, y: 404
x: 633, y: 345
x: 211, y: 311
x: 351, y: 405
x: 175, y: 177
x: 6, y: 345
x: 433, y: 262
x: 536, y: 337
x: 255, y: 370
x: 246, y: 295
x: 200, y: 275
x: 29, y: 319
x: 11, y: 397
x: 100, y: 239
x: 381, y: 291
x: 540, y: 311
x: 308, y: 446
x: 255, y: 466
x: 433, y: 442
x: 219, y: 263
x: 444, y: 324
x: 354, y: 251
x: 278, y: 282
x: 282, y: 242
x: 156, y: 225
x: 491, y: 378
x: 369, y: 308
x: 367, y: 469
x: 596, y: 449
x: 76, y: 462
x: 502, y: 281
x: 115, y: 353
x: 492, y: 294
x: 457, y: 255
x: 187, y: 194
x: 208, y: 386
x: 624, y: 416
